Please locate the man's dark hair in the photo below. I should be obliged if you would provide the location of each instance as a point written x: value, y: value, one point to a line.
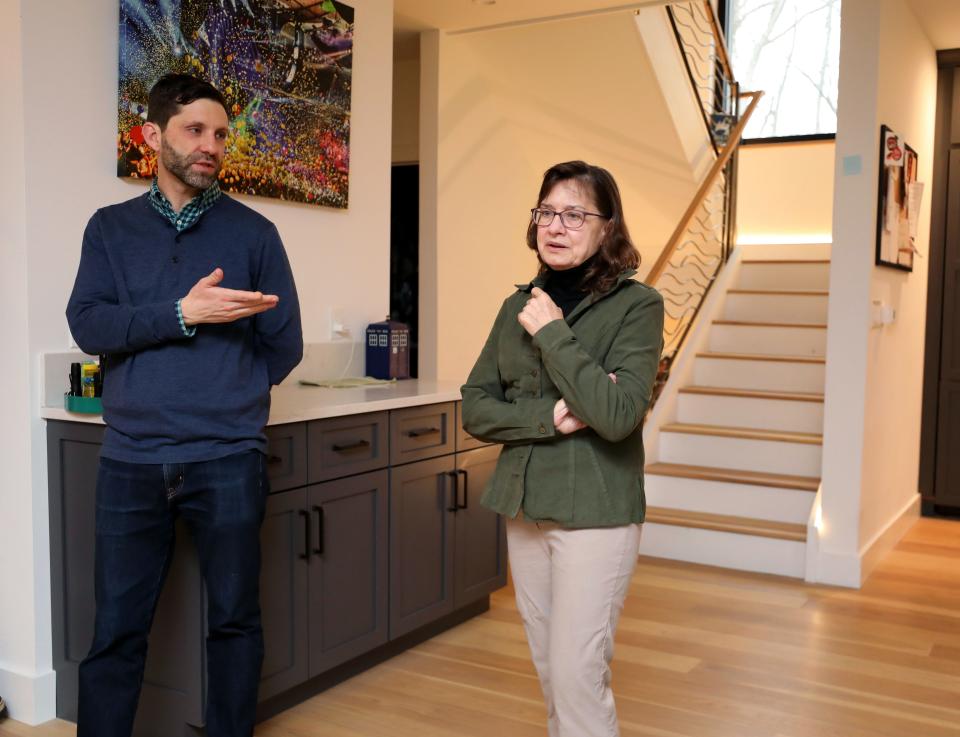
x: 617, y: 251
x: 173, y: 91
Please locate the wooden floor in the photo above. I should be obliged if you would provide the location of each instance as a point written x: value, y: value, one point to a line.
x: 700, y: 652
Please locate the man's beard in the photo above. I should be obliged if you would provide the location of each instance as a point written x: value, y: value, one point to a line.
x: 180, y: 166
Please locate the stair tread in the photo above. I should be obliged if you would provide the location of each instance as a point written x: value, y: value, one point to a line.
x: 761, y: 357
x: 733, y: 475
x: 749, y: 433
x: 724, y: 391
x: 768, y: 324
x: 727, y: 523
x: 783, y: 292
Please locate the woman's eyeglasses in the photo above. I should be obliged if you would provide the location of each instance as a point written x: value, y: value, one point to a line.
x: 571, y: 219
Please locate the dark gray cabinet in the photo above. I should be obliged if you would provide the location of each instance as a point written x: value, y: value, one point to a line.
x: 446, y: 551
x: 172, y: 695
x: 354, y: 554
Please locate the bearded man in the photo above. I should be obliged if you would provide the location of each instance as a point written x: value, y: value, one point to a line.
x: 189, y: 295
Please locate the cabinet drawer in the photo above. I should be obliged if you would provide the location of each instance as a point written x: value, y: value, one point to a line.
x: 286, y: 455
x: 421, y: 432
x: 465, y: 441
x: 341, y: 446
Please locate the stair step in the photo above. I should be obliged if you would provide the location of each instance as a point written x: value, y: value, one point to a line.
x: 761, y: 357
x: 746, y: 433
x: 727, y: 523
x: 757, y: 324
x: 722, y: 391
x: 783, y: 274
x: 732, y: 475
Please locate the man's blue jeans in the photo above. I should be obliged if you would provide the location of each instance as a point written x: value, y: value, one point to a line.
x: 222, y: 502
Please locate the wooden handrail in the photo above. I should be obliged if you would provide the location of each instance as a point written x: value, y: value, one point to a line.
x: 721, y: 42
x: 732, y: 144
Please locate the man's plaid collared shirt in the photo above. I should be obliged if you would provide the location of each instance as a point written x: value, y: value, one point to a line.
x: 191, y: 212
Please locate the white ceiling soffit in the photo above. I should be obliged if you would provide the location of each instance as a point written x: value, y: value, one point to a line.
x: 461, y: 15
x: 941, y: 21
x: 410, y: 17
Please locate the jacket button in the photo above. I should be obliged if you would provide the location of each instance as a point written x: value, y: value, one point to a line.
x: 534, y: 373
x: 543, y: 430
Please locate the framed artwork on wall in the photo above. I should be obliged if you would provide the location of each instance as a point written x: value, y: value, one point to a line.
x: 898, y: 202
x: 285, y: 68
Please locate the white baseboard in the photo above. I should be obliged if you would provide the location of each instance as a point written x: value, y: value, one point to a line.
x: 31, y: 699
x: 887, y: 538
x: 852, y: 569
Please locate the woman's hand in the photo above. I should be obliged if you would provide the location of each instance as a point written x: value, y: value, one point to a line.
x: 564, y: 420
x: 538, y: 311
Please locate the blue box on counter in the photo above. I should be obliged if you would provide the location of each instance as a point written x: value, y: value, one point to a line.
x: 388, y: 350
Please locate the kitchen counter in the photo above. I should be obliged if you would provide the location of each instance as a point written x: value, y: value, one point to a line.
x: 296, y: 403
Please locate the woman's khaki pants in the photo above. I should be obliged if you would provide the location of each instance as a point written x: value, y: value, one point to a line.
x: 570, y: 585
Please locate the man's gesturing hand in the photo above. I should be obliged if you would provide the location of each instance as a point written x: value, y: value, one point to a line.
x: 208, y: 303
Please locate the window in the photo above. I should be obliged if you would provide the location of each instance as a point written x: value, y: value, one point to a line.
x: 790, y: 49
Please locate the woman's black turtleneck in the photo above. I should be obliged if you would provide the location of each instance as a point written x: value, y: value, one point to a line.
x: 565, y: 287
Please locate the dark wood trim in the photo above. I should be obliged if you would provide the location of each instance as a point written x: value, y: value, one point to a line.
x: 948, y: 58
x: 938, y: 220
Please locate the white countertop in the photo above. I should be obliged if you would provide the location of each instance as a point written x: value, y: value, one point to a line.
x: 295, y: 403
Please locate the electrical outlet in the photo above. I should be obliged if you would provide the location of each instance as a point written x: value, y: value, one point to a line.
x: 338, y: 325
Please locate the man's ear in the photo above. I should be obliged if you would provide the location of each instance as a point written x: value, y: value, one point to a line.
x: 151, y: 134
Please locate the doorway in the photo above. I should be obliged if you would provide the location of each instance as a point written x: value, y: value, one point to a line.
x: 939, y: 480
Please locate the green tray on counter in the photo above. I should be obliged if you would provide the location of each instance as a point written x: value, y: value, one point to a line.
x: 84, y: 405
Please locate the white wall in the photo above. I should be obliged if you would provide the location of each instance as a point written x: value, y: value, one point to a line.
x: 498, y: 108
x: 872, y: 411
x: 340, y: 258
x: 785, y: 192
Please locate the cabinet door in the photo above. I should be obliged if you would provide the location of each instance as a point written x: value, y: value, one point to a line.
x: 283, y: 592
x: 421, y: 543
x: 481, y: 541
x: 172, y: 687
x: 348, y: 569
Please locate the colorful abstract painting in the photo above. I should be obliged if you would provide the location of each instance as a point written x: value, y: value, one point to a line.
x: 283, y: 65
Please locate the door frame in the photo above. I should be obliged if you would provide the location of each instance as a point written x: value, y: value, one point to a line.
x: 947, y: 118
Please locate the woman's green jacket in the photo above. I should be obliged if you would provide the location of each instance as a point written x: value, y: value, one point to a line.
x: 592, y: 477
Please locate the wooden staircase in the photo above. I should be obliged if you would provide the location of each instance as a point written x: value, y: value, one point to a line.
x: 734, y: 474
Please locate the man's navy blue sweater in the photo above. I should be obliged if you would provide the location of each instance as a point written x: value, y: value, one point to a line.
x: 169, y: 398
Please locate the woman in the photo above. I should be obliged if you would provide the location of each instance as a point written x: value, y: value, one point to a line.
x: 563, y: 382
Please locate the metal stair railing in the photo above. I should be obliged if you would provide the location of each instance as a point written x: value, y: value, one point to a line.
x: 702, y: 240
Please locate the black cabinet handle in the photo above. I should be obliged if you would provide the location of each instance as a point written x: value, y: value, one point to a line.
x: 421, y: 431
x: 273, y: 460
x: 306, y: 533
x: 456, y: 490
x: 318, y: 510
x: 466, y: 489
x: 351, y: 446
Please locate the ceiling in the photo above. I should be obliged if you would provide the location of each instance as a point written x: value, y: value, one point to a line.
x: 412, y: 16
x: 939, y: 18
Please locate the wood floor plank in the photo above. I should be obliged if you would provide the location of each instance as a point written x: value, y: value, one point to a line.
x: 700, y: 652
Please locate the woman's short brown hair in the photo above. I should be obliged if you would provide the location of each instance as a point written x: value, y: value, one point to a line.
x: 617, y: 251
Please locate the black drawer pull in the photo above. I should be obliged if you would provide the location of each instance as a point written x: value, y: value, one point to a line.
x: 421, y: 431
x: 456, y: 490
x: 318, y: 510
x: 351, y: 446
x: 273, y: 460
x: 306, y: 532
x: 466, y: 489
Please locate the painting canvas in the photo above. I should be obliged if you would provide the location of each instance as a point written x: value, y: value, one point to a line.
x: 284, y: 67
x: 898, y: 203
